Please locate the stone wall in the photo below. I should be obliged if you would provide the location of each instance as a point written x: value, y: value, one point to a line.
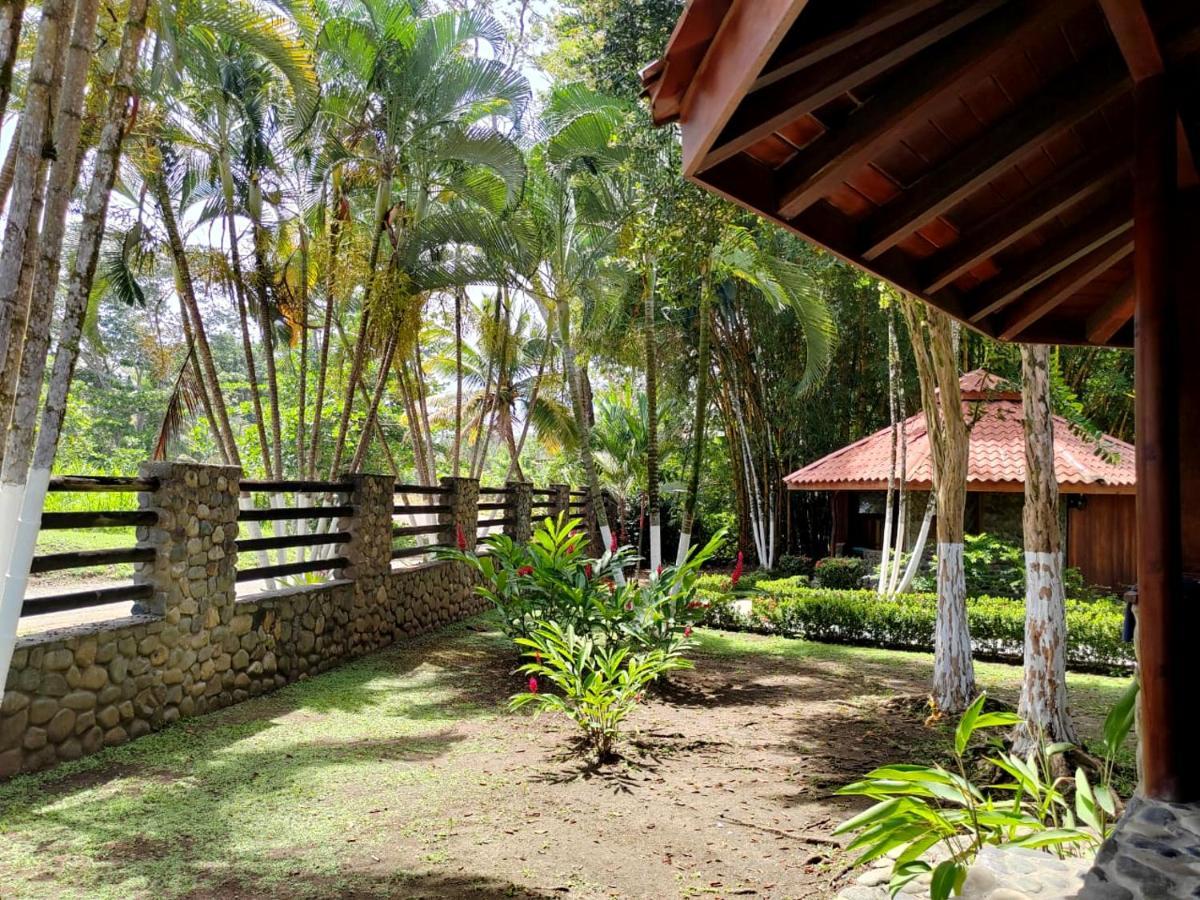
x: 195, y: 647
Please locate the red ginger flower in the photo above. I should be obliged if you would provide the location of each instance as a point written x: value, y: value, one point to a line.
x: 737, y: 571
x: 461, y: 538
x: 525, y: 570
x: 687, y: 631
x: 659, y: 569
x: 533, y: 684
x: 587, y: 570
x: 612, y: 545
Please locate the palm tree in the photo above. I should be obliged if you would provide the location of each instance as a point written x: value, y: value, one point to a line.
x: 411, y: 108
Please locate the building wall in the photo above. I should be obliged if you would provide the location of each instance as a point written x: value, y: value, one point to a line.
x: 1102, y: 538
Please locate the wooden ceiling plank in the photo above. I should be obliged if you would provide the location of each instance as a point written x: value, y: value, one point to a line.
x: 1051, y: 293
x: 933, y: 76
x: 1047, y: 262
x: 1050, y: 112
x: 1044, y: 201
x: 873, y: 21
x: 1130, y: 25
x: 749, y: 35
x: 807, y: 90
x: 1112, y: 315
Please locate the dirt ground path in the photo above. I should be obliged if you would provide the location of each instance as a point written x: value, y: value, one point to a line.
x: 403, y: 776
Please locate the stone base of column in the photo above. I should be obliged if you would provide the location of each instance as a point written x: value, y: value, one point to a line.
x: 1154, y: 852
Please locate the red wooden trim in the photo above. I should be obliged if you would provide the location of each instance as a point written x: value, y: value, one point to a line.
x: 935, y: 75
x: 1130, y: 25
x: 1051, y: 293
x: 1050, y: 112
x: 1044, y: 201
x: 1050, y: 260
x: 1110, y: 318
x: 1165, y: 650
x: 751, y: 31
x: 807, y: 89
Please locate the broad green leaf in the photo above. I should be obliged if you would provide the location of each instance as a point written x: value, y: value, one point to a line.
x: 966, y: 725
x: 946, y: 879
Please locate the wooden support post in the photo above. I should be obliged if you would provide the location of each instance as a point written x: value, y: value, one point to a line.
x: 1165, y: 642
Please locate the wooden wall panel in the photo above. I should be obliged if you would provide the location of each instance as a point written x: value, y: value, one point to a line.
x: 1102, y: 539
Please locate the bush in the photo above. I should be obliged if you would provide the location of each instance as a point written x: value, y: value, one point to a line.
x: 794, y: 565
x: 840, y: 572
x: 997, y: 624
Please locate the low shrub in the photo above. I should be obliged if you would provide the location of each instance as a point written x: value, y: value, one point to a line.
x: 840, y: 572
x: 997, y: 624
x: 794, y: 565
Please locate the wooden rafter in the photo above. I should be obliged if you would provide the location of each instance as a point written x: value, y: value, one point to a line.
x: 1113, y: 315
x: 1049, y: 260
x: 1028, y: 212
x: 1052, y: 292
x: 748, y: 36
x: 1130, y: 25
x: 1048, y: 113
x: 933, y: 76
x: 805, y: 90
x: 869, y: 23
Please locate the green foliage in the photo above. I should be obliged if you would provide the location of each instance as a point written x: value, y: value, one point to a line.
x: 789, y: 564
x: 840, y: 572
x: 906, y: 622
x: 600, y: 643
x: 919, y: 807
x: 599, y: 683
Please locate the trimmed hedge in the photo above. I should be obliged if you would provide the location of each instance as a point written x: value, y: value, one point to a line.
x: 997, y: 624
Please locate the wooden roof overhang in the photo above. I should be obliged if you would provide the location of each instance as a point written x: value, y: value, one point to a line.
x: 975, y: 153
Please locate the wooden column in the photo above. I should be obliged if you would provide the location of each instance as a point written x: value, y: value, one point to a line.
x: 1166, y: 643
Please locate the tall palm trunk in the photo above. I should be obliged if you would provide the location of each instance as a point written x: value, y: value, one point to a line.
x: 28, y: 357
x: 20, y: 226
x: 302, y: 412
x: 1045, y: 714
x: 11, y: 13
x: 652, y: 502
x: 239, y: 292
x: 198, y: 374
x: 335, y: 238
x: 383, y: 199
x: 701, y: 415
x: 364, y: 439
x: 21, y: 500
x: 583, y: 424
x: 262, y: 282
x: 456, y: 454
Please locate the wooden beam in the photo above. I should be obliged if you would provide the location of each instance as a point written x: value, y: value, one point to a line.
x: 868, y: 24
x: 1130, y: 25
x: 1049, y: 112
x: 1025, y: 214
x: 806, y: 90
x: 1049, y: 260
x: 933, y: 76
x: 1112, y: 316
x: 749, y: 34
x: 1166, y: 615
x: 1053, y: 291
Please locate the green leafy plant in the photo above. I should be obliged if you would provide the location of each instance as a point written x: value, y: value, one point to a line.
x: 919, y: 807
x: 789, y: 564
x: 598, y: 684
x: 844, y: 572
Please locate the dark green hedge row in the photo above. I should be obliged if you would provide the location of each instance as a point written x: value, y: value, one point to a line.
x: 783, y: 606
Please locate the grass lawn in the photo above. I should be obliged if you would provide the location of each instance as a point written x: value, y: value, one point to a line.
x: 402, y: 775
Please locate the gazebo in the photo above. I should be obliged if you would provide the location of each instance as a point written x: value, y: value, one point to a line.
x: 1095, y: 477
x: 1028, y: 166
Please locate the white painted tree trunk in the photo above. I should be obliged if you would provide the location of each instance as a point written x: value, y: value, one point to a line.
x: 1044, y: 708
x: 918, y: 550
x: 953, y: 669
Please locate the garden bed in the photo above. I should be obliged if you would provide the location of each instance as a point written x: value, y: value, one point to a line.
x: 402, y: 775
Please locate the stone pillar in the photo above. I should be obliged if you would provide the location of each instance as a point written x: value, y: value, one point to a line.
x: 369, y: 549
x: 560, y: 500
x: 520, y: 511
x: 193, y: 574
x: 463, y: 500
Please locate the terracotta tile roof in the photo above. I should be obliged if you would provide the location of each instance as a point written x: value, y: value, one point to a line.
x: 997, y: 457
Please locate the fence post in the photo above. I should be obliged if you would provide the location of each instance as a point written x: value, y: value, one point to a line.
x: 194, y: 580
x: 463, y: 500
x: 520, y: 511
x: 560, y: 500
x: 369, y: 550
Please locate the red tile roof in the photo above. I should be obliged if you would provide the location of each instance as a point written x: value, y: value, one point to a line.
x: 997, y: 458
